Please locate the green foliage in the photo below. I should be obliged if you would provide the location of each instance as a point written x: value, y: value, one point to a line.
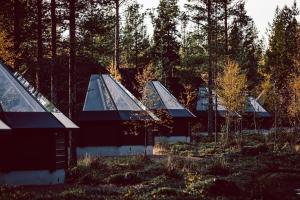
x: 244, y: 45
x: 165, y: 39
x: 135, y: 42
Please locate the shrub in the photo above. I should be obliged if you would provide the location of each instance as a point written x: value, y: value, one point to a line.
x: 219, y: 167
x: 128, y: 178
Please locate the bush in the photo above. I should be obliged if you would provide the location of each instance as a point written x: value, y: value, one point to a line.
x: 219, y: 168
x: 129, y: 178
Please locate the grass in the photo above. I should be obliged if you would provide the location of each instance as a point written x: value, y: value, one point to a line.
x: 201, y: 170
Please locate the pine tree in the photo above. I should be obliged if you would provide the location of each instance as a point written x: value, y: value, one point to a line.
x: 135, y: 42
x: 280, y: 58
x: 53, y: 53
x: 72, y: 78
x: 165, y: 40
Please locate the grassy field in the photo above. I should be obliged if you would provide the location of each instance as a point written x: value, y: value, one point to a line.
x: 202, y: 170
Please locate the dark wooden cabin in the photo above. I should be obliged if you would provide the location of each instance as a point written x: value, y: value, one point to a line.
x: 33, y: 151
x: 112, y: 120
x: 253, y: 110
x: 176, y: 119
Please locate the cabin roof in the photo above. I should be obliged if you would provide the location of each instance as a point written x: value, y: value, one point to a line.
x: 19, y: 98
x: 251, y: 104
x: 107, y: 99
x: 157, y: 97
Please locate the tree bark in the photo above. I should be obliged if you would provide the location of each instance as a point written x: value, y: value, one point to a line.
x: 226, y: 27
x: 39, y: 44
x: 117, y: 35
x: 53, y: 53
x: 16, y: 32
x: 210, y: 81
x: 72, y: 84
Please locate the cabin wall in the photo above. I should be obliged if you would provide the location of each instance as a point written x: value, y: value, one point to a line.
x: 34, y: 177
x: 125, y: 150
x: 113, y: 138
x: 112, y: 133
x: 32, y: 150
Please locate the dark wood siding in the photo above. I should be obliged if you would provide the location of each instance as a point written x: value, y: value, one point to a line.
x: 60, y: 151
x: 30, y: 150
x: 111, y: 133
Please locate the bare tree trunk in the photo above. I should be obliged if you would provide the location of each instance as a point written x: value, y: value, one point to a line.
x: 117, y: 35
x: 227, y: 127
x: 39, y: 44
x: 17, y: 31
x: 72, y: 84
x: 210, y: 82
x: 53, y: 52
x: 226, y: 27
x: 216, y: 75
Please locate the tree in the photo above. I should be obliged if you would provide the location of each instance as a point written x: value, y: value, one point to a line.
x: 7, y: 52
x: 117, y: 34
x: 143, y: 78
x: 204, y: 15
x: 53, y: 53
x: 232, y: 86
x: 39, y: 43
x: 244, y: 46
x: 280, y: 57
x: 135, y: 42
x: 294, y: 106
x: 17, y: 31
x: 72, y: 77
x: 165, y: 44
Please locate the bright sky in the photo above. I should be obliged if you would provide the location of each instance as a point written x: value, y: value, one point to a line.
x: 262, y: 11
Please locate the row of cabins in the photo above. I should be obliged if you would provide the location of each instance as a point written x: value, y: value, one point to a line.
x: 33, y: 132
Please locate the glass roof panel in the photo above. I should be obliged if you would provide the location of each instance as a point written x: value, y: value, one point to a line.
x: 97, y: 97
x: 202, y: 103
x: 255, y: 106
x: 121, y: 96
x: 168, y: 99
x: 14, y: 97
x: 151, y: 98
x: 38, y: 96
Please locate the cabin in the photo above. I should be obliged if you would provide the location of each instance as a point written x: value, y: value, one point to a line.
x: 256, y: 117
x: 176, y: 119
x: 113, y: 122
x: 32, y: 136
x: 253, y: 110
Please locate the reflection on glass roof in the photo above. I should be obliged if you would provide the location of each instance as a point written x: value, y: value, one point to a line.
x: 254, y: 106
x: 168, y: 99
x: 120, y: 95
x: 202, y: 103
x: 97, y: 97
x: 156, y: 97
x: 38, y: 96
x: 14, y: 97
x: 105, y: 93
x: 151, y: 98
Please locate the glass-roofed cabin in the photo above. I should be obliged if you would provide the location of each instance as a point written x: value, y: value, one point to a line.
x: 113, y: 121
x: 176, y: 120
x: 256, y: 116
x: 32, y: 134
x: 253, y: 110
